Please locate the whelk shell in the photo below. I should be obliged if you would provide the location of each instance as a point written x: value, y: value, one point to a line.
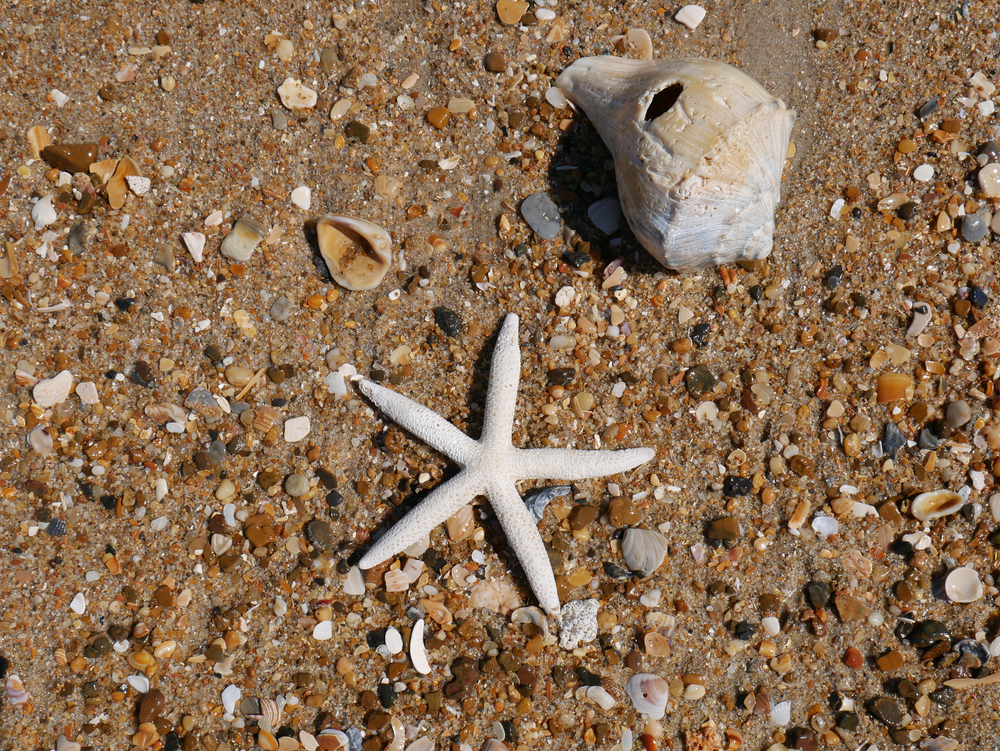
x: 698, y: 149
x: 963, y: 585
x: 357, y: 252
x: 649, y: 694
x: 935, y: 504
x: 15, y: 690
x: 643, y: 550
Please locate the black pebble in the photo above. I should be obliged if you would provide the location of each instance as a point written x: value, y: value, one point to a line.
x: 907, y: 210
x: 745, y: 631
x: 124, y: 303
x: 334, y: 499
x: 576, y: 259
x: 561, y: 376
x: 386, y: 695
x: 734, y: 486
x: 142, y: 374
x: 448, y: 321
x: 893, y: 440
x: 819, y: 594
x: 834, y: 277
x: 928, y: 108
x: 699, y: 334
x: 756, y: 292
x: 978, y: 297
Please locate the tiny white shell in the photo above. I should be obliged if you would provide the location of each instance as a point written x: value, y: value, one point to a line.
x: 393, y: 640
x: 781, y: 713
x: 649, y: 694
x: 601, y: 697
x: 643, y: 550
x: 15, y: 690
x: 418, y: 653
x: 963, y: 585
x: 935, y: 504
x: 357, y: 252
x: 698, y: 149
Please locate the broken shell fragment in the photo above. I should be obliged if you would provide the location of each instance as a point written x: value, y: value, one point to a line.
x: 649, y: 694
x: 935, y: 504
x: 357, y: 252
x: 643, y: 550
x: 963, y: 585
x: 117, y: 187
x: 698, y: 148
x: 246, y: 235
x: 15, y: 690
x: 296, y: 96
x: 891, y: 387
x: 53, y: 391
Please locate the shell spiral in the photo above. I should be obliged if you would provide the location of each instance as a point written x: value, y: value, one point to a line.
x: 698, y: 148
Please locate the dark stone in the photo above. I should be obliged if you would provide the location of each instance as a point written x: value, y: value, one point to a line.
x: 907, y: 210
x: 834, y: 277
x: 699, y: 335
x: 978, y: 297
x: 928, y: 439
x: 803, y: 739
x: 819, y: 594
x: 386, y: 695
x: 465, y: 676
x: 320, y: 534
x: 334, y: 499
x: 576, y: 259
x: 588, y: 678
x: 123, y: 303
x: 448, y: 321
x: 745, y: 631
x: 699, y: 379
x: 893, y: 440
x: 927, y: 109
x: 756, y: 293
x: 142, y: 374
x: 943, y: 696
x: 734, y: 486
x: 213, y: 353
x: 581, y: 516
x: 103, y: 645
x: 928, y: 632
x: 71, y: 157
x: 724, y: 529
x: 56, y: 528
x: 990, y: 150
x: 886, y: 711
x: 907, y: 690
x: 561, y: 376
x: 495, y: 62
x: 358, y: 130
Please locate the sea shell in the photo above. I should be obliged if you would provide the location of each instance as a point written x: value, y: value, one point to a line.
x: 963, y: 585
x: 643, y: 550
x: 532, y: 615
x: 65, y: 744
x: 53, y: 390
x: 935, y: 504
x: 973, y: 649
x: 698, y: 149
x: 270, y: 711
x: 418, y: 652
x: 649, y: 694
x: 357, y: 252
x: 15, y: 690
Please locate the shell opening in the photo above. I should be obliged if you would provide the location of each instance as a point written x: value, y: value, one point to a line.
x: 663, y: 101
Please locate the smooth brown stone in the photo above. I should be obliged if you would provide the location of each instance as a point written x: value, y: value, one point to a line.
x: 151, y: 705
x: 853, y: 658
x: 890, y: 661
x: 71, y: 157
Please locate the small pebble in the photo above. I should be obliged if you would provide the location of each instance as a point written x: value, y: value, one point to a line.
x: 243, y: 240
x: 495, y: 62
x: 691, y: 16
x: 296, y: 485
x: 542, y: 215
x: 302, y: 197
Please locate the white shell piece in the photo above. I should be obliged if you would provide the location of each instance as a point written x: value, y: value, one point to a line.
x: 357, y: 252
x: 691, y: 16
x: 772, y: 625
x: 601, y: 697
x: 649, y: 694
x: 643, y: 550
x: 393, y: 640
x: 79, y: 603
x: 936, y: 503
x: 65, y: 744
x: 418, y: 654
x: 354, y: 582
x: 531, y: 614
x: 699, y: 179
x: 963, y: 585
x: 15, y: 690
x: 302, y: 197
x: 323, y: 631
x: 54, y: 390
x: 230, y: 695
x: 195, y: 243
x: 43, y: 213
x: 139, y: 682
x: 422, y: 743
x: 296, y: 96
x: 781, y: 713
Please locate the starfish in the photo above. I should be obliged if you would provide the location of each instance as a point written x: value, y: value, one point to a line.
x: 490, y: 467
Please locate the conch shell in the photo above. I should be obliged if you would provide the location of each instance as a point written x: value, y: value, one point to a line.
x: 698, y: 149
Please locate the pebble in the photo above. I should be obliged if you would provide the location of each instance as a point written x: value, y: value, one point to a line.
x: 989, y: 180
x: 542, y: 215
x: 438, y: 117
x: 71, y: 157
x: 853, y: 658
x: 510, y: 11
x: 296, y: 485
x: 281, y: 309
x: 448, y: 321
x: 691, y: 16
x: 958, y: 413
x: 495, y: 62
x: 819, y: 594
x: 278, y: 119
x: 699, y: 380
x: 725, y: 529
x: 320, y: 534
x: 922, y: 314
x: 296, y: 429
x: 357, y: 129
x: 151, y: 705
x: 890, y: 661
x: 606, y: 215
x: 284, y: 49
x: 195, y: 244
x: 923, y: 173
x: 296, y: 96
x: 928, y: 632
x: 243, y: 240
x: 734, y: 486
x: 302, y: 197
x: 893, y: 440
x: 328, y: 60
x: 887, y: 711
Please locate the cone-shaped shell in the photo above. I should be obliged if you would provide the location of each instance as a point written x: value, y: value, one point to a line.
x: 698, y: 149
x: 357, y: 252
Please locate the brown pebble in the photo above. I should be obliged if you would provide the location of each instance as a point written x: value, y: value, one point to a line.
x: 853, y: 659
x: 438, y: 117
x: 71, y: 157
x: 107, y: 92
x: 849, y: 607
x: 162, y: 37
x: 495, y: 62
x: 726, y: 528
x: 826, y: 35
x: 622, y: 512
x: 151, y: 705
x: 581, y: 516
x: 890, y: 661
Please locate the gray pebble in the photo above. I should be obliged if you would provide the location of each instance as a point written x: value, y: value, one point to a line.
x: 216, y: 452
x: 281, y: 309
x: 542, y: 215
x: 320, y: 534
x: 278, y: 119
x: 893, y: 440
x: 958, y: 414
x: 77, y: 240
x: 296, y: 485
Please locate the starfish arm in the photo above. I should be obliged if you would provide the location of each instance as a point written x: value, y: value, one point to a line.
x: 501, y: 396
x: 441, y: 503
x: 577, y: 464
x: 522, y: 535
x: 422, y: 422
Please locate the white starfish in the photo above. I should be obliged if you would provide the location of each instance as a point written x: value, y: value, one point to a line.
x: 490, y: 467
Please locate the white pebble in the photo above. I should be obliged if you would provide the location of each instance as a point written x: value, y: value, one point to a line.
x: 556, y: 98
x: 59, y: 98
x: 565, y: 297
x: 302, y: 197
x: 79, y: 603
x: 691, y: 16
x: 195, y: 242
x: 837, y: 207
x: 296, y: 429
x: 161, y: 489
x: 923, y: 173
x: 213, y: 219
x: 230, y: 695
x: 296, y: 96
x: 138, y: 185
x: 772, y: 625
x: 393, y: 640
x: 87, y: 391
x: 354, y: 582
x: 323, y: 631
